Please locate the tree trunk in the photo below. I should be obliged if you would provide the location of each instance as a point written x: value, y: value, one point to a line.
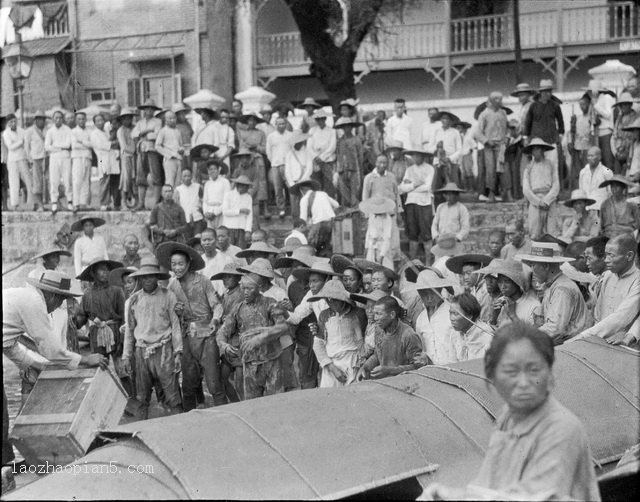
x: 331, y: 61
x: 516, y: 40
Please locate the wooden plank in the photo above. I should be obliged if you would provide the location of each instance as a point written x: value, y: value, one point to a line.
x: 47, y: 418
x: 81, y: 373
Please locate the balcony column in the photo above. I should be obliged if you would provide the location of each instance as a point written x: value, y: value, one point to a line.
x: 447, y: 49
x: 244, y: 35
x: 559, y: 49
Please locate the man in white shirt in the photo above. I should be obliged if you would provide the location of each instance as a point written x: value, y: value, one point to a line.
x: 318, y: 210
x: 57, y: 143
x: 237, y: 211
x: 592, y: 175
x: 188, y: 195
x: 108, y: 164
x: 150, y: 162
x: 226, y: 138
x: 602, y: 104
x: 321, y: 148
x: 16, y: 160
x: 214, y: 259
x: 430, y: 128
x: 81, y: 162
x: 278, y: 145
x: 169, y: 145
x: 213, y: 193
x: 89, y: 246
x: 34, y: 148
x: 446, y: 145
x: 297, y: 167
x: 223, y: 243
x: 399, y: 125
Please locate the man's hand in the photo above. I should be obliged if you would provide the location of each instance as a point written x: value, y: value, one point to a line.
x: 381, y: 372
x: 230, y: 351
x: 252, y: 343
x: 544, y: 205
x: 177, y: 362
x: 286, y: 304
x: 247, y: 236
x: 362, y: 374
x: 620, y: 339
x: 126, y: 365
x: 244, y: 210
x: 209, y: 216
x: 179, y: 309
x: 93, y: 360
x: 340, y: 375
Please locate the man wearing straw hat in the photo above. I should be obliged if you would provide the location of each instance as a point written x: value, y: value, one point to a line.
x: 592, y: 175
x: 200, y: 313
x: 150, y: 161
x: 584, y: 224
x: 57, y: 143
x: 601, y: 106
x: 81, y: 157
x: 564, y: 312
x: 297, y: 167
x: 617, y: 215
x: 16, y: 159
x: 544, y: 120
x: 127, y: 155
x: 237, y: 211
x: 492, y: 133
x: 154, y: 338
x: 451, y: 217
x: 322, y: 150
x: 36, y: 155
x: 524, y: 92
x: 379, y: 236
x: 25, y: 311
x: 622, y: 139
x: 89, y: 245
x: 277, y: 148
x: 540, y: 186
x: 349, y: 162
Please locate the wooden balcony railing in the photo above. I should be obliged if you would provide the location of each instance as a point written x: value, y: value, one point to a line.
x: 569, y: 26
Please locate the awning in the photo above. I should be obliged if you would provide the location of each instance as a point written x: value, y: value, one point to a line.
x: 44, y: 46
x: 156, y: 55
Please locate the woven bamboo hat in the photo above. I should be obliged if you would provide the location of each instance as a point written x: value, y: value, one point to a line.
x: 579, y: 195
x: 617, y: 178
x: 117, y: 275
x: 229, y: 269
x: 430, y: 279
x: 259, y: 247
x: 77, y: 225
x: 340, y: 263
x: 62, y: 252
x: 309, y: 183
x: 166, y: 249
x: 450, y: 187
x: 259, y: 266
x: 539, y: 143
x: 149, y: 266
x: 456, y: 263
x: 374, y: 296
x: 333, y: 290
x: 509, y: 268
x: 523, y: 88
x: 87, y: 273
x: 310, y: 102
x: 319, y: 266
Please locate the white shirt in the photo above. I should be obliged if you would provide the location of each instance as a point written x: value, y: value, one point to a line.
x: 451, y: 220
x: 428, y: 130
x: 231, y: 205
x: 399, y: 129
x: 604, y: 108
x: 231, y: 252
x: 58, y: 141
x: 275, y: 292
x: 322, y: 144
x: 81, y: 145
x: 421, y: 175
x: 278, y: 145
x: 213, y: 195
x: 207, y: 134
x: 107, y: 158
x: 14, y: 141
x: 441, y: 342
x: 297, y: 165
x: 322, y: 209
x: 148, y: 143
x: 85, y: 250
x: 451, y: 142
x: 589, y: 181
x: 305, y: 308
x: 226, y: 140
x: 189, y: 199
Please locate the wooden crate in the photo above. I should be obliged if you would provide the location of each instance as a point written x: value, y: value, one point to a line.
x: 347, y: 236
x: 64, y: 413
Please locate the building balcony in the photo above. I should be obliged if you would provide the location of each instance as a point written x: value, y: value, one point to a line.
x: 580, y: 30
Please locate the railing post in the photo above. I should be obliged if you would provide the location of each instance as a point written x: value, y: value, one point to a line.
x: 559, y: 49
x: 447, y: 49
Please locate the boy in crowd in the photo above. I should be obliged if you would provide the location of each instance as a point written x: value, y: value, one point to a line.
x: 451, y: 216
x: 317, y: 207
x: 350, y: 159
x: 237, y: 211
x: 213, y: 193
x: 297, y: 167
x: 188, y: 195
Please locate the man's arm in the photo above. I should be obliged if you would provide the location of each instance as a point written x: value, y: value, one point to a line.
x: 557, y: 316
x: 176, y: 328
x: 465, y: 225
x: 552, y: 195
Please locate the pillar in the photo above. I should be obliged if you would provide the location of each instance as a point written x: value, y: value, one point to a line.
x: 447, y: 49
x: 244, y: 46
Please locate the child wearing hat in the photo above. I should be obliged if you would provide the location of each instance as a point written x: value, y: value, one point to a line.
x: 451, y: 217
x: 584, y: 224
x: 339, y: 336
x: 540, y: 185
x: 213, y: 193
x: 153, y: 337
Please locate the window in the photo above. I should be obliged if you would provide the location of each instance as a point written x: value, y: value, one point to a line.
x: 100, y: 97
x: 163, y: 90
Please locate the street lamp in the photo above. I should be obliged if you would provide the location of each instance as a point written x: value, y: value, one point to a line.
x: 19, y: 62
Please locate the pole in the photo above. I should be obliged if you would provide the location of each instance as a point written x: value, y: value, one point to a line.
x: 19, y: 80
x: 516, y: 40
x: 196, y: 32
x: 447, y: 50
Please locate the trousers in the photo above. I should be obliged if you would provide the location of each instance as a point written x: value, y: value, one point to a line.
x: 347, y: 362
x: 81, y: 180
x: 264, y: 379
x: 276, y: 177
x: 308, y: 367
x: 490, y: 154
x: 37, y: 175
x: 201, y: 356
x: 159, y: 367
x: 171, y: 169
x: 19, y: 170
x: 60, y: 173
x: 109, y: 190
x: 543, y: 221
x: 323, y: 174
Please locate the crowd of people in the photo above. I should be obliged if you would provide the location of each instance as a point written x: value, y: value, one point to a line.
x: 216, y: 303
